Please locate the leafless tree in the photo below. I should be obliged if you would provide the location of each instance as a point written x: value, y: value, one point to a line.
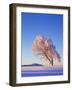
x: 44, y: 47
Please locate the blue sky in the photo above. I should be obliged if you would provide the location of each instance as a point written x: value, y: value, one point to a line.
x: 33, y: 24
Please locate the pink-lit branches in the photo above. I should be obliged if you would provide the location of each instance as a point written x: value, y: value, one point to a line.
x: 44, y: 47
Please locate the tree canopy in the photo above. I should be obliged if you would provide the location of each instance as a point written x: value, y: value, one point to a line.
x: 45, y: 48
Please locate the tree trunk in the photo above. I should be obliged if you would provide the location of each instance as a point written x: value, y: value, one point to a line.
x: 52, y: 61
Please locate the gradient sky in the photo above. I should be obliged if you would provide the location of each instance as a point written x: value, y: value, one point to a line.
x: 33, y: 24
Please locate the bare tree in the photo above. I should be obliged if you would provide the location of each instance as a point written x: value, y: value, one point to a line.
x: 44, y: 47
